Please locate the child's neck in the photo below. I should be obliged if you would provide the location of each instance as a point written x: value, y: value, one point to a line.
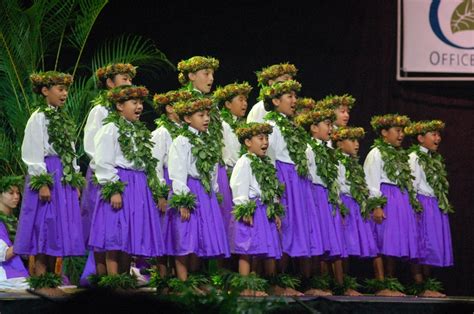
x: 253, y: 153
x: 316, y: 137
x: 5, y: 209
x: 172, y: 118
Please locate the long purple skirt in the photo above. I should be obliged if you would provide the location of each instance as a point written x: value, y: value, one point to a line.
x: 89, y: 269
x: 14, y: 267
x: 166, y: 219
x: 135, y: 228
x: 224, y: 189
x: 332, y: 235
x: 88, y: 199
x: 299, y: 233
x: 435, y: 233
x: 358, y: 236
x: 260, y: 239
x: 397, y: 235
x: 204, y: 233
x: 53, y: 228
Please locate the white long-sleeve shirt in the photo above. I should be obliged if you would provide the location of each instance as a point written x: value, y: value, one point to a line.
x: 344, y: 187
x: 420, y: 183
x: 94, y: 122
x: 257, y: 113
x: 277, y: 148
x: 231, y: 149
x: 243, y: 183
x: 182, y: 163
x: 108, y: 154
x: 162, y: 141
x: 312, y: 167
x: 374, y: 173
x: 36, y: 146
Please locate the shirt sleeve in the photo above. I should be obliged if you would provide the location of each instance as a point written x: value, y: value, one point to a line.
x: 178, y: 164
x: 3, y: 251
x: 32, y: 148
x: 215, y: 185
x: 227, y: 150
x: 240, y: 181
x: 160, y: 147
x: 311, y: 164
x: 415, y: 171
x: 273, y: 143
x: 105, y: 143
x: 373, y: 172
x: 93, y: 124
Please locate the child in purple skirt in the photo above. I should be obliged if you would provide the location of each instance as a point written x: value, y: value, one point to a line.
x: 388, y: 174
x: 256, y: 216
x: 125, y: 221
x: 431, y: 186
x: 50, y: 221
x: 197, y: 230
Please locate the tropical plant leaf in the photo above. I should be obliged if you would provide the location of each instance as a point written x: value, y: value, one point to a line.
x: 462, y: 18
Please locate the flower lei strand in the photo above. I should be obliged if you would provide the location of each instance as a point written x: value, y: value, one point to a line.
x: 435, y: 171
x: 397, y: 168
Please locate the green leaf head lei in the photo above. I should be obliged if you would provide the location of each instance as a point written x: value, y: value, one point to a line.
x: 188, y: 107
x: 423, y: 127
x: 7, y: 182
x: 228, y: 92
x: 49, y: 79
x: 124, y: 93
x: 160, y: 101
x: 195, y: 64
x: 334, y: 101
x: 305, y: 104
x: 276, y: 90
x: 110, y: 70
x: 249, y: 130
x: 347, y: 133
x: 387, y: 121
x: 274, y: 71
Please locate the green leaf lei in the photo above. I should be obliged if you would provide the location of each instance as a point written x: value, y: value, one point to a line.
x: 398, y: 170
x: 226, y: 116
x: 135, y: 142
x: 295, y: 139
x: 326, y: 169
x: 435, y: 171
x: 359, y: 190
x: 173, y: 128
x: 101, y: 100
x: 207, y: 155
x: 61, y: 137
x: 215, y: 136
x: 11, y: 223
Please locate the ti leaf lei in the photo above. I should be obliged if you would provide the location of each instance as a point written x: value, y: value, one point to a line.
x: 101, y: 100
x: 226, y: 116
x: 359, y: 190
x: 11, y: 223
x: 398, y: 170
x: 61, y: 136
x: 326, y: 169
x: 295, y: 139
x: 207, y: 156
x: 169, y: 125
x: 435, y: 172
x: 134, y: 139
x: 215, y: 134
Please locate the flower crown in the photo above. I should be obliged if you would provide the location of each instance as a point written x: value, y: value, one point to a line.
x: 123, y: 93
x: 248, y: 130
x: 347, y: 133
x: 274, y: 71
x: 7, y: 182
x: 305, y: 104
x: 267, y: 93
x: 49, y: 78
x: 229, y: 91
x: 195, y: 64
x: 190, y: 106
x: 110, y: 70
x: 305, y: 120
x: 423, y: 127
x: 170, y: 98
x: 334, y: 102
x: 389, y: 120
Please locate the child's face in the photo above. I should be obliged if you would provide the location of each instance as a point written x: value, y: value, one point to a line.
x: 198, y: 120
x: 119, y: 80
x: 394, y: 136
x: 237, y: 106
x: 171, y: 114
x: 286, y: 103
x: 350, y: 147
x: 56, y: 95
x: 281, y: 78
x: 202, y: 80
x: 131, y: 109
x: 322, y: 130
x: 342, y: 115
x: 258, y: 144
x: 10, y: 198
x: 430, y: 140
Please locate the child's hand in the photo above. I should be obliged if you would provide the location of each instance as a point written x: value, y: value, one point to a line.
x: 185, y: 213
x: 162, y: 204
x: 378, y: 215
x: 116, y: 201
x: 78, y: 192
x: 9, y: 253
x: 248, y: 220
x: 278, y: 222
x: 45, y: 193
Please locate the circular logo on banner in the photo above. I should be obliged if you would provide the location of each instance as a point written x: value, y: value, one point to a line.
x: 453, y: 22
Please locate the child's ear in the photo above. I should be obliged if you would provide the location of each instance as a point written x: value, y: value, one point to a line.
x: 227, y: 104
x: 247, y: 142
x: 314, y: 128
x: 45, y: 91
x: 192, y: 76
x: 169, y: 109
x: 119, y: 106
x: 187, y: 119
x: 420, y: 138
x: 109, y: 83
x: 276, y: 102
x: 384, y: 132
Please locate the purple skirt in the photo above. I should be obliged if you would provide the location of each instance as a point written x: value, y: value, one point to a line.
x: 224, y: 189
x: 89, y: 269
x: 53, y: 228
x: 204, y: 233
x: 261, y: 239
x: 88, y: 199
x: 332, y: 234
x: 14, y: 267
x: 166, y: 219
x: 435, y: 234
x: 135, y: 228
x: 300, y: 236
x: 397, y: 235
x: 358, y: 236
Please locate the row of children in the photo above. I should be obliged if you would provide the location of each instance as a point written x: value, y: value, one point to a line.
x: 206, y: 185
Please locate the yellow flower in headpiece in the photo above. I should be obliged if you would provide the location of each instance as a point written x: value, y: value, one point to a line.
x: 170, y: 98
x: 267, y: 93
x: 305, y: 104
x: 423, y: 127
x: 226, y: 93
x: 248, y: 130
x: 123, y: 93
x: 190, y: 106
x: 347, y: 133
x: 195, y: 64
x: 274, y: 71
x: 48, y: 79
x: 305, y: 120
x: 388, y: 121
x: 334, y: 102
